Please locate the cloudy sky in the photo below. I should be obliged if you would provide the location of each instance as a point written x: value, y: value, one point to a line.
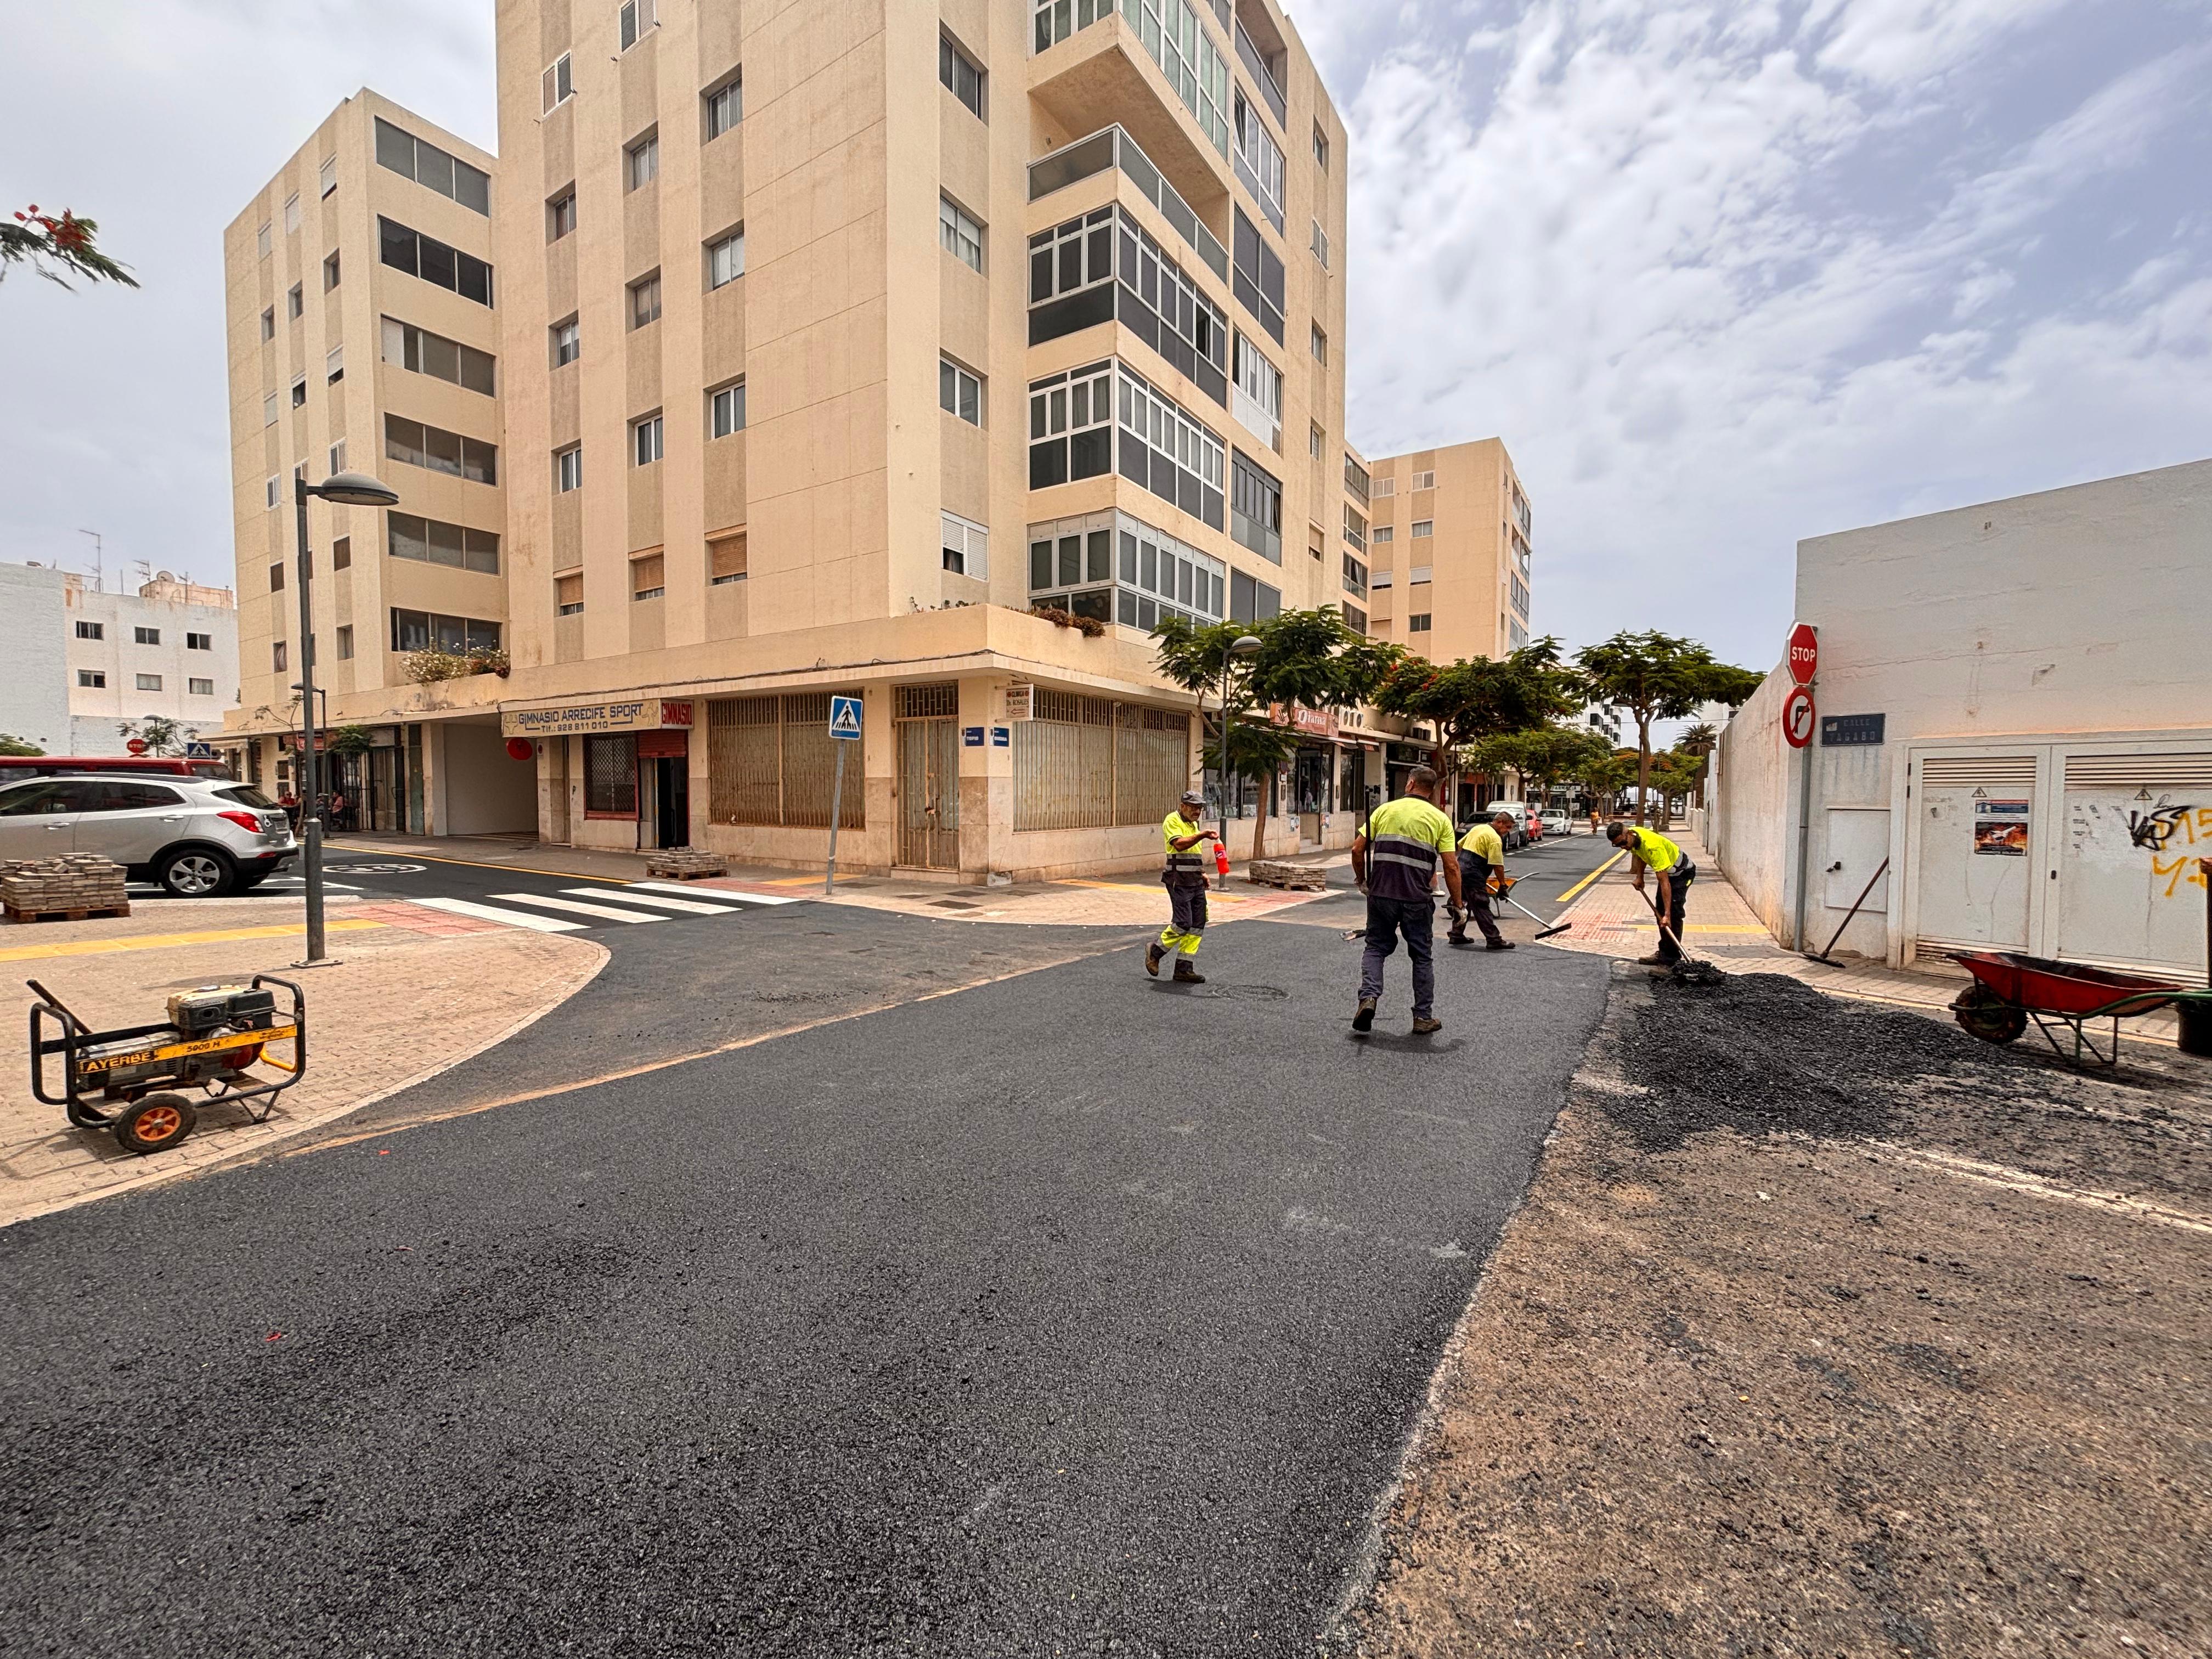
x: 1723, y: 273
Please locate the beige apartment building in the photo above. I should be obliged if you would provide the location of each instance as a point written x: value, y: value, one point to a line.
x: 1447, y: 552
x: 364, y: 335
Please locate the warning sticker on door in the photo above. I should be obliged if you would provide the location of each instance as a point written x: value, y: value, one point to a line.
x: 2000, y: 828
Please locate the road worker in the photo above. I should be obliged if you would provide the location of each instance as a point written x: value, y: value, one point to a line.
x: 1394, y: 858
x: 1481, y: 854
x: 1650, y: 850
x: 1184, y: 876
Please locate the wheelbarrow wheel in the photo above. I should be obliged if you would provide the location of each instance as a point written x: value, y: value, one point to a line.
x: 157, y: 1121
x: 1981, y: 1012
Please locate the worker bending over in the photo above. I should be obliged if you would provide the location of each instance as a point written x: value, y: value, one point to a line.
x: 1184, y: 876
x: 1649, y: 849
x: 1481, y: 852
x: 1395, y: 859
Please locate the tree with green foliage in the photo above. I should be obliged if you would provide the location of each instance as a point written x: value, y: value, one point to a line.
x: 1477, y: 699
x: 1603, y: 778
x: 1543, y: 755
x: 12, y: 745
x: 1659, y: 677
x: 161, y: 734
x: 58, y: 248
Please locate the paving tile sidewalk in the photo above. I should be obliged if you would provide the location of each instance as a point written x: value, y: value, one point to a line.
x: 411, y: 997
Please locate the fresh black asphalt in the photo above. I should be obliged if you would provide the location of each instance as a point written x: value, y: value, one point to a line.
x: 1068, y: 1310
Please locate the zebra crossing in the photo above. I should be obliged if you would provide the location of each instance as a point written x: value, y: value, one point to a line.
x: 629, y: 905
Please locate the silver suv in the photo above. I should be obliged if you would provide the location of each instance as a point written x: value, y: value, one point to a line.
x: 198, y: 837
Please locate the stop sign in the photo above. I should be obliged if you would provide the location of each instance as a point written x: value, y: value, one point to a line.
x: 1804, y: 653
x: 136, y: 746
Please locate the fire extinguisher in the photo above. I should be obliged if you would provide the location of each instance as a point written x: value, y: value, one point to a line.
x: 1221, y: 859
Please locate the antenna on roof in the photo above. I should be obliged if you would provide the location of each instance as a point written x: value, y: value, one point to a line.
x: 99, y: 559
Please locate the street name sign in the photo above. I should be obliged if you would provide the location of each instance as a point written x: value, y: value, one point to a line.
x: 1842, y: 731
x: 1804, y: 653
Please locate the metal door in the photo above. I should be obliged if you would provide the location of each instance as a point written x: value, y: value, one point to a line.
x: 2130, y: 894
x: 1857, y: 847
x: 929, y: 794
x: 1977, y: 846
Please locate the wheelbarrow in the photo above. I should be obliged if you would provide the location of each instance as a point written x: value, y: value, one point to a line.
x: 126, y: 1081
x: 2010, y: 991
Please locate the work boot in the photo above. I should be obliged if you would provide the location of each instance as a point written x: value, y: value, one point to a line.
x: 1364, y: 1019
x: 1499, y: 945
x: 1655, y: 960
x: 1456, y: 936
x: 1425, y: 1026
x: 1187, y: 974
x: 1154, y: 954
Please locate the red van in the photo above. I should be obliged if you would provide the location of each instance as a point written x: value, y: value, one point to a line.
x: 13, y: 767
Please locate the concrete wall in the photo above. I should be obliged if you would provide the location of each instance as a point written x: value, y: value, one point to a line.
x: 34, y: 703
x: 1748, y: 827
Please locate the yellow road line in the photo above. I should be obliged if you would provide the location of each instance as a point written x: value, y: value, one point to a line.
x: 95, y: 947
x: 1592, y: 876
x: 473, y: 863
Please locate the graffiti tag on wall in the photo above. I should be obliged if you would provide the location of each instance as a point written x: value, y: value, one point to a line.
x: 2175, y: 835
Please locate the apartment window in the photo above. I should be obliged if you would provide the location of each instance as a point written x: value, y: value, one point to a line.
x: 1355, y: 527
x: 1321, y: 245
x: 1422, y: 528
x: 648, y: 577
x: 334, y: 366
x: 345, y: 643
x: 331, y: 271
x: 645, y: 439
x: 147, y: 636
x: 434, y: 261
x: 421, y: 630
x: 426, y: 541
x: 1425, y: 481
x: 276, y: 577
x: 641, y: 161
x: 960, y: 74
x: 555, y: 86
x: 1259, y: 398
x: 276, y: 484
x: 1153, y: 575
x: 1185, y: 50
x: 1379, y: 580
x: 261, y: 241
x: 337, y: 456
x: 1316, y: 441
x: 568, y: 469
x: 726, y: 107
x: 1320, y: 344
x: 1259, y: 161
x: 645, y: 301
x: 269, y: 407
x: 1168, y: 453
x: 280, y: 659
x: 291, y: 214
x: 205, y: 688
x: 1315, y: 540
x: 726, y: 410
x: 962, y: 236
x: 1057, y: 19
x: 561, y: 215
x: 568, y: 594
x: 92, y: 679
x: 296, y: 302
x: 300, y: 392
x: 1418, y: 622
x: 959, y: 393
x: 1354, y: 617
x: 1255, y: 508
x: 449, y: 453
x: 91, y: 630
x: 1072, y: 426
x: 341, y: 559
x: 1519, y: 590
x: 149, y: 682
x: 1258, y: 279
x: 329, y: 176
x: 726, y: 259
x: 1252, y: 600
x: 268, y: 323
x: 429, y: 165
x: 1421, y: 573
x: 1386, y: 486
x: 1074, y: 269
x: 967, y: 546
x: 1321, y: 147
x: 1355, y: 576
x: 725, y: 559
x: 567, y: 343
x: 637, y: 16
x: 1384, y: 534
x: 422, y: 352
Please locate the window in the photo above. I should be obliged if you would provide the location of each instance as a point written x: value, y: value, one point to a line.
x: 568, y: 594
x: 1320, y: 344
x: 1355, y: 576
x: 337, y: 456
x: 1418, y: 622
x: 1259, y: 161
x: 726, y: 259
x: 568, y: 469
x: 1355, y: 527
x: 420, y: 630
x: 345, y: 643
x: 334, y: 366
x: 1179, y: 41
x: 645, y: 439
x: 637, y: 16
x: 341, y: 559
x: 561, y: 215
x: 1072, y: 426
x: 1422, y: 528
x: 1057, y: 19
x: 261, y: 241
x: 1386, y: 486
x: 1316, y: 441
x: 1321, y: 245
x: 441, y: 452
x: 611, y: 777
x: 645, y: 301
x: 642, y: 162
x: 555, y: 86
x: 419, y: 350
x: 1258, y: 281
x: 280, y: 659
x: 291, y: 214
x: 432, y: 261
x: 1251, y: 600
x: 275, y: 484
x: 1259, y: 398
x: 1379, y: 580
x: 1420, y: 572
x: 567, y: 343
x: 1384, y: 534
x: 967, y: 546
x: 91, y: 630
x: 1519, y: 594
x: 648, y: 577
x: 1354, y: 617
x: 276, y: 577
x: 1170, y: 454
x: 960, y: 75
x: 426, y: 541
x: 1152, y: 574
x: 425, y: 163
x: 147, y: 636
x: 725, y: 559
x: 1255, y: 508
x: 268, y: 417
x: 199, y: 641
x: 1425, y: 481
x: 959, y: 393
x: 329, y: 176
x: 149, y: 682
x: 92, y: 679
x: 331, y: 271
x: 726, y: 107
x: 268, y: 323
x: 726, y: 410
x: 1074, y: 268
x: 296, y: 303
x: 962, y: 236
x: 1321, y: 147
x: 206, y: 688
x: 300, y: 392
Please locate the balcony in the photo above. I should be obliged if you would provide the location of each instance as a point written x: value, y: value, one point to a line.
x: 1125, y: 71
x: 1115, y: 148
x: 1263, y: 77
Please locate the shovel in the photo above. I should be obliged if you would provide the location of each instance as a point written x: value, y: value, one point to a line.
x: 1685, y: 971
x: 1505, y: 890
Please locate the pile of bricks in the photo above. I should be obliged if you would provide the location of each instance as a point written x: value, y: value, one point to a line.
x: 82, y: 885
x: 686, y: 863
x: 1296, y: 878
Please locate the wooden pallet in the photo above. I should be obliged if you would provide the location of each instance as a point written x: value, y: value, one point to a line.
x: 80, y: 913
x: 1296, y: 877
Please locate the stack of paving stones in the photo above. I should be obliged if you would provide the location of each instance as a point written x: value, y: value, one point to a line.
x: 72, y: 888
x: 686, y: 863
x: 1296, y: 877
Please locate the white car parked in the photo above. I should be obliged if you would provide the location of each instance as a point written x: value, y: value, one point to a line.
x: 1525, y: 829
x: 1555, y: 821
x: 198, y: 837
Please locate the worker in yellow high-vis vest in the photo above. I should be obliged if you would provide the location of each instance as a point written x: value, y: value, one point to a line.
x: 1395, y: 858
x: 1184, y: 876
x: 1650, y: 850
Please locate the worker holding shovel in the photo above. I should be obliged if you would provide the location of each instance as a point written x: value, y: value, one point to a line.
x: 1650, y: 850
x: 1481, y: 853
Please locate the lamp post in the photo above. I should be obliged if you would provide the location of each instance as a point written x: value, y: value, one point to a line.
x: 347, y: 489
x: 1244, y: 646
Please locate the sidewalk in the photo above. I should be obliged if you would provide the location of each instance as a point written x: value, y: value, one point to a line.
x: 416, y: 992
x: 1611, y: 919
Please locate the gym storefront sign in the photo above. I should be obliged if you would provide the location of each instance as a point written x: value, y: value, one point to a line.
x: 597, y: 718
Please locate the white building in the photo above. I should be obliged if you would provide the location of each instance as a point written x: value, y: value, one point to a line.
x: 2014, y: 705
x: 83, y: 662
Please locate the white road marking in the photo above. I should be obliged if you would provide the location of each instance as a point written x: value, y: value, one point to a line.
x: 493, y: 913
x: 2036, y: 1185
x: 624, y: 895
x: 604, y: 912
x: 718, y: 892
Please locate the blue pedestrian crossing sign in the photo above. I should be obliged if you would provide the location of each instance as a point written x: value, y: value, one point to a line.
x: 845, y: 718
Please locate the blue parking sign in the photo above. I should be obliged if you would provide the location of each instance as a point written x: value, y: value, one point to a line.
x: 845, y: 718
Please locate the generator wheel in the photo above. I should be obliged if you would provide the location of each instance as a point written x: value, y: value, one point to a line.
x: 1981, y: 1012
x: 157, y: 1121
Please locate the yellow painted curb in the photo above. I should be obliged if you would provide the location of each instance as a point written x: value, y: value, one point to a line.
x: 95, y: 947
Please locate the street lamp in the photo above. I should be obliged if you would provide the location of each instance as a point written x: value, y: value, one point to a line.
x: 346, y: 490
x: 1243, y: 646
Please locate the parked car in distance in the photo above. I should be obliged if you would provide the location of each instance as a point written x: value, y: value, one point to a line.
x: 1555, y: 821
x: 198, y: 837
x: 62, y: 766
x: 1525, y: 829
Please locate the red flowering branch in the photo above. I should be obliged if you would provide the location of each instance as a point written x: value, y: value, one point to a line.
x: 58, y: 247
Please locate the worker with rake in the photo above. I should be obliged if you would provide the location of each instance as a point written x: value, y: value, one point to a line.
x: 1650, y: 850
x: 1481, y: 856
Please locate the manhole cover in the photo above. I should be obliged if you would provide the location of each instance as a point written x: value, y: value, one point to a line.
x: 1256, y: 992
x: 953, y: 904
